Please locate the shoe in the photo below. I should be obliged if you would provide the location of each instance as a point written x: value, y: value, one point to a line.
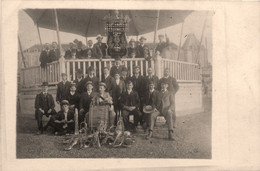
x: 170, y: 135
x: 149, y: 136
x: 38, y: 132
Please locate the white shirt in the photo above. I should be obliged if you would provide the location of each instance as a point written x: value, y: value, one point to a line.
x: 129, y: 91
x: 89, y: 92
x: 72, y: 93
x: 117, y: 82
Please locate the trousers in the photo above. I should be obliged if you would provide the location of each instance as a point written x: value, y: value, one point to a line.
x: 169, y: 117
x: 39, y: 116
x: 125, y: 114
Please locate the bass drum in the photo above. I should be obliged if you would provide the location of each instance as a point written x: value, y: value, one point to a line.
x: 97, y: 114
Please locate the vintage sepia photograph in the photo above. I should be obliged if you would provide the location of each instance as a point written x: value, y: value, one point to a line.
x: 114, y: 83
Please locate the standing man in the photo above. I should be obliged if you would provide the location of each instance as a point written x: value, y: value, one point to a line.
x: 80, y: 51
x: 172, y: 83
x: 73, y: 97
x: 132, y: 49
x: 54, y: 52
x: 124, y: 75
x: 44, y: 105
x: 100, y: 49
x: 68, y: 53
x: 88, y: 52
x: 63, y: 89
x: 91, y: 77
x: 165, y: 106
x: 130, y: 104
x: 85, y: 100
x: 117, y: 68
x: 143, y: 50
x: 107, y: 79
x: 44, y: 56
x: 80, y: 82
x: 151, y: 77
x: 162, y: 44
x: 63, y: 122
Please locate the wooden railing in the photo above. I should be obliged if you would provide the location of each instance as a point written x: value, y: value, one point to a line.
x: 34, y: 76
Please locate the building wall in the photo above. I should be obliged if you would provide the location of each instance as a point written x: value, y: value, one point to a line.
x: 188, y: 99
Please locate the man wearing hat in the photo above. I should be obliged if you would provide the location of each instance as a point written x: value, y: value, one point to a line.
x: 79, y: 51
x: 54, y: 52
x: 107, y: 79
x: 172, y: 83
x: 80, y: 82
x: 103, y: 98
x: 44, y: 105
x: 63, y: 122
x: 124, y: 75
x: 162, y: 44
x: 164, y: 105
x: 44, y: 56
x: 151, y: 77
x: 68, y: 53
x: 85, y: 101
x: 88, y: 52
x: 73, y: 97
x: 117, y: 67
x: 143, y: 50
x: 132, y: 49
x: 63, y: 89
x: 130, y: 104
x: 100, y: 49
x: 91, y: 77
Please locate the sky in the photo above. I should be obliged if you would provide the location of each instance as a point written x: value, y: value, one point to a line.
x: 193, y: 24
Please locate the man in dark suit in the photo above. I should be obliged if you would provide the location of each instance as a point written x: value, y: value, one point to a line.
x: 130, y: 104
x: 54, y: 52
x: 165, y: 106
x: 162, y: 44
x: 79, y: 51
x: 85, y: 101
x: 80, y: 82
x: 68, y: 53
x: 143, y: 50
x: 108, y: 80
x: 117, y: 68
x: 88, y: 52
x: 100, y: 49
x: 124, y: 75
x: 63, y: 122
x: 44, y: 105
x: 63, y: 89
x: 73, y: 97
x: 44, y: 56
x: 172, y: 83
x: 151, y: 77
x: 132, y: 51
x: 91, y: 77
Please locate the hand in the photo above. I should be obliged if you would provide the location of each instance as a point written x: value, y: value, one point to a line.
x: 57, y: 121
x: 49, y: 111
x: 81, y: 110
x: 131, y: 108
x: 70, y: 121
x: 41, y: 110
x: 63, y: 121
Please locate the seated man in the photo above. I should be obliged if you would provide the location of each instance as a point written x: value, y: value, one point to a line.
x: 73, y: 97
x: 63, y: 121
x: 44, y: 105
x: 130, y: 104
x: 85, y: 100
x: 103, y: 98
x: 164, y: 106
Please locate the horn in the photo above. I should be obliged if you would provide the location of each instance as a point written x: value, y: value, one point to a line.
x: 76, y: 118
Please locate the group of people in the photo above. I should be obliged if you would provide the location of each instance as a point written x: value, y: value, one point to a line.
x: 136, y: 49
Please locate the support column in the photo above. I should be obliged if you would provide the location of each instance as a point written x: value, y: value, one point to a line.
x: 158, y: 65
x: 156, y: 27
x: 179, y: 48
x: 38, y: 30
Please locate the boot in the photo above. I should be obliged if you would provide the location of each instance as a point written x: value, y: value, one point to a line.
x: 170, y: 135
x: 149, y: 136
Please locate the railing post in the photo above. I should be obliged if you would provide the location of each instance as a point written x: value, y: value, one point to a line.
x: 62, y: 67
x: 158, y: 65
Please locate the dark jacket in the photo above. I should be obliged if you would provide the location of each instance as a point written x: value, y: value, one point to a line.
x: 61, y: 116
x: 166, y: 101
x: 44, y: 102
x: 117, y: 90
x: 88, y: 53
x: 100, y: 50
x: 126, y: 79
x: 85, y: 100
x: 79, y: 53
x: 62, y: 91
x: 108, y: 81
x: 95, y: 82
x: 161, y: 46
x: 68, y: 54
x: 141, y: 52
x: 131, y: 99
x: 114, y: 70
x: 80, y: 85
x: 44, y: 58
x: 154, y: 79
x: 139, y: 85
x: 131, y: 50
x: 151, y: 99
x: 74, y: 99
x: 172, y: 84
x: 54, y: 55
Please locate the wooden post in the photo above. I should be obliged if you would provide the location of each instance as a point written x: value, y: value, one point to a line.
x: 179, y: 48
x: 203, y: 29
x: 38, y: 30
x: 156, y: 27
x: 21, y: 50
x: 158, y: 65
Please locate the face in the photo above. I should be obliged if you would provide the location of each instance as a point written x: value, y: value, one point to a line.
x: 79, y: 45
x: 166, y: 72
x: 164, y: 86
x: 99, y: 40
x: 89, y: 87
x: 124, y: 73
x: 90, y: 43
x: 79, y: 76
x: 92, y: 72
x: 64, y: 77
x: 118, y: 63
x: 71, y: 45
x: 45, y: 88
x: 106, y: 71
x: 132, y: 43
x: 129, y: 86
x: 65, y: 107
x: 137, y: 70
x: 54, y: 45
x: 47, y: 46
x: 73, y: 88
x: 101, y: 89
x: 150, y: 71
x: 142, y: 41
x: 151, y: 86
x: 117, y: 76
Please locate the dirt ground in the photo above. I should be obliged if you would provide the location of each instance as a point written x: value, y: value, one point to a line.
x: 192, y: 140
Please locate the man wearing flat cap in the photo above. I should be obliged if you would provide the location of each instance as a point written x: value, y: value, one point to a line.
x: 162, y: 44
x: 165, y: 106
x: 73, y: 97
x: 44, y: 105
x: 63, y: 122
x: 63, y: 89
x: 91, y: 77
x: 143, y: 50
x: 85, y: 100
x: 80, y: 82
x: 100, y: 49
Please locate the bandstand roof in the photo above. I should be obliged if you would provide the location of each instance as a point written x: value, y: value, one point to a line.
x: 90, y: 22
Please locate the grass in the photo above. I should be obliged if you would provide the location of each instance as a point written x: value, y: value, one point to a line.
x: 192, y: 140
